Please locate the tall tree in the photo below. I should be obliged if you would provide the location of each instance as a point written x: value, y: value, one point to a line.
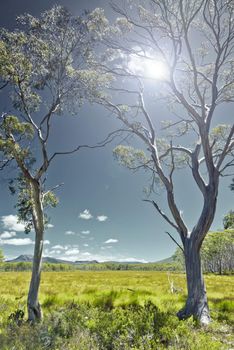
x: 177, y: 54
x: 46, y: 68
x: 217, y: 253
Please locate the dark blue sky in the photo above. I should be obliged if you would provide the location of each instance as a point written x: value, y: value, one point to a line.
x: 101, y: 214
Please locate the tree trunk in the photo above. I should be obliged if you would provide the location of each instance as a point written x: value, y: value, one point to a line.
x: 196, y: 304
x: 34, y: 307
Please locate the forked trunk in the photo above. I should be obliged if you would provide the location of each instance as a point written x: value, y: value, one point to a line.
x: 196, y: 304
x: 34, y: 307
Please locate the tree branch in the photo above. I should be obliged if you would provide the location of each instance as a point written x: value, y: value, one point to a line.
x: 100, y: 144
x: 161, y: 213
x: 174, y: 241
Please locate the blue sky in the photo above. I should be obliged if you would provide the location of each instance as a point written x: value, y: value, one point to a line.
x: 101, y: 214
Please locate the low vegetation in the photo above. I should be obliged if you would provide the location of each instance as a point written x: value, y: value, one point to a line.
x: 112, y: 310
x: 27, y: 266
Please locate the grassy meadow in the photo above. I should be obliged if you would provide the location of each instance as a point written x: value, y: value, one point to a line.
x: 112, y: 310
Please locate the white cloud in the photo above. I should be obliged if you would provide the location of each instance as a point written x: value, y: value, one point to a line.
x: 69, y: 233
x: 132, y: 260
x: 85, y: 245
x: 72, y: 251
x: 102, y: 218
x: 46, y: 242
x: 86, y: 254
x: 111, y: 240
x: 54, y: 252
x: 50, y: 225
x: 106, y: 247
x: 85, y: 232
x: 74, y: 254
x: 7, y: 234
x: 58, y: 246
x: 17, y: 241
x: 86, y: 215
x: 10, y: 222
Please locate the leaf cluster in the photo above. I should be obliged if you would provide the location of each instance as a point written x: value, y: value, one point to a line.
x: 130, y: 157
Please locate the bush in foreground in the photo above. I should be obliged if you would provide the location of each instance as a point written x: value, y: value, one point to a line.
x: 84, y: 327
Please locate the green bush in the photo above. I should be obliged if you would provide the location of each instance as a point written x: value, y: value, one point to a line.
x: 83, y: 327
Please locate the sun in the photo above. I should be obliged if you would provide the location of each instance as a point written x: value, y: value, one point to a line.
x: 148, y: 67
x: 155, y: 69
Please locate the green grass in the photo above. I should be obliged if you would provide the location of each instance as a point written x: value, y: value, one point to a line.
x: 103, y: 308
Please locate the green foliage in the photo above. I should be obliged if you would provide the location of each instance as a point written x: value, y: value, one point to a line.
x: 228, y: 221
x: 1, y: 255
x: 112, y: 310
x: 49, y: 65
x: 133, y: 327
x: 217, y: 253
x: 12, y: 132
x: 24, y: 202
x: 219, y: 135
x: 50, y: 200
x: 130, y: 157
x: 27, y: 266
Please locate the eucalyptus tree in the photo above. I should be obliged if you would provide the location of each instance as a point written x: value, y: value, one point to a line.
x: 228, y: 220
x: 217, y: 253
x: 46, y: 69
x: 179, y: 55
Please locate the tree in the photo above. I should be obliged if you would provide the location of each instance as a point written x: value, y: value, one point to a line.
x: 228, y: 221
x: 176, y: 54
x: 1, y: 256
x: 217, y: 253
x: 46, y: 67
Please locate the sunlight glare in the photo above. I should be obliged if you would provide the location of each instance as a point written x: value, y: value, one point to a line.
x: 148, y: 67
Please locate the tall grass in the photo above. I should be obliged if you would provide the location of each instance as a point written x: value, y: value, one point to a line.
x: 103, y: 296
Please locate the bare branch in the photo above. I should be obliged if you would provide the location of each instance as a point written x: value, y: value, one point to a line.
x: 227, y: 148
x: 52, y: 189
x: 162, y: 213
x: 111, y: 136
x: 175, y: 241
x: 4, y: 163
x: 4, y: 85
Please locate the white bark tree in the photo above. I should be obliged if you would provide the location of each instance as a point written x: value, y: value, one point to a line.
x: 46, y: 68
x: 189, y: 45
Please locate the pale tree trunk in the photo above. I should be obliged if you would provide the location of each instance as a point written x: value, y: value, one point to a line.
x: 196, y: 303
x: 34, y: 307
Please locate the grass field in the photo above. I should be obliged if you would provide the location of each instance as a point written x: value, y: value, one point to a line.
x: 97, y: 307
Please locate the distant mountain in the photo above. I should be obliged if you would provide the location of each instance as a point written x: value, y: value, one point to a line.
x: 165, y: 261
x: 86, y: 262
x: 22, y: 258
x: 50, y: 260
